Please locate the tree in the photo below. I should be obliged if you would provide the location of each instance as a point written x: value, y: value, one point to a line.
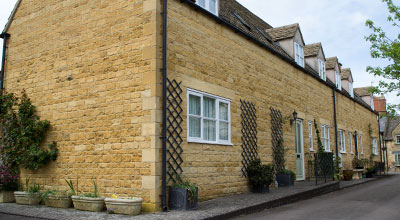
x: 383, y: 47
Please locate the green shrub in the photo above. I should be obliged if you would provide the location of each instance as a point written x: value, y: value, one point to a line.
x: 259, y: 174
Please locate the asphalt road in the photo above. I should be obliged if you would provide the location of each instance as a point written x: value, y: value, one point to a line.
x: 15, y: 217
x: 377, y: 200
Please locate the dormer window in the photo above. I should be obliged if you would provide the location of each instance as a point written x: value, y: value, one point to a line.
x: 209, y: 5
x: 338, y: 80
x: 299, y: 54
x: 321, y: 68
x: 351, y: 91
x: 372, y: 103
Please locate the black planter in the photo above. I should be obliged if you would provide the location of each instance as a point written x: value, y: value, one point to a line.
x: 179, y: 199
x: 284, y: 179
x: 370, y: 174
x: 260, y: 189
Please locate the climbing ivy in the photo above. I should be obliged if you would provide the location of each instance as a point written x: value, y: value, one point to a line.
x: 319, y: 142
x: 22, y: 133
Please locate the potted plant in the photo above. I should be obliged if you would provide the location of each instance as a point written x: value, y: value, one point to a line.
x: 31, y: 195
x: 348, y: 175
x: 124, y: 205
x: 370, y: 172
x: 59, y: 199
x: 89, y: 201
x: 285, y: 178
x: 183, y: 195
x: 8, y: 183
x: 260, y: 176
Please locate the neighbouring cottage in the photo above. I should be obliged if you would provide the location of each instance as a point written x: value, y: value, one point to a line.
x: 95, y: 70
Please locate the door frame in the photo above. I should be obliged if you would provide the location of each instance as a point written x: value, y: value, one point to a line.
x: 302, y: 147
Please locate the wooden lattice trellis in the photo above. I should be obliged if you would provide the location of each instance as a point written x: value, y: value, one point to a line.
x: 174, y: 131
x: 249, y: 134
x: 277, y: 139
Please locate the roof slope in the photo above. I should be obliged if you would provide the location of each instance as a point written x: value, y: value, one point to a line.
x: 363, y: 91
x: 346, y: 72
x: 392, y: 123
x: 331, y: 62
x: 312, y: 49
x: 284, y: 32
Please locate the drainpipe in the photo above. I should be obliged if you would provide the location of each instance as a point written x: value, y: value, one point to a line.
x: 355, y: 141
x: 335, y: 119
x: 164, y: 111
x: 3, y: 60
x: 380, y: 141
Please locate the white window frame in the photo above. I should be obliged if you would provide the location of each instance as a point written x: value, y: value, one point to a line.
x: 338, y: 80
x: 217, y: 101
x: 299, y: 54
x: 374, y: 146
x: 310, y: 135
x: 372, y: 103
x: 207, y: 6
x: 325, y: 137
x: 351, y: 90
x: 322, y: 69
x: 361, y: 144
x: 342, y: 141
x: 351, y: 142
x: 397, y: 159
x: 397, y: 139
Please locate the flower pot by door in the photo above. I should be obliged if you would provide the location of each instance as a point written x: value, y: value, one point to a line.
x: 284, y: 179
x: 179, y: 199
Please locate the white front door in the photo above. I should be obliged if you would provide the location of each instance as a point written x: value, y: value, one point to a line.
x: 300, y: 175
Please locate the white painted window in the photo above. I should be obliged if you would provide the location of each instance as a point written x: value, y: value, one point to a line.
x: 342, y: 141
x: 372, y: 103
x: 208, y: 118
x: 209, y: 5
x: 397, y: 139
x: 322, y: 69
x: 351, y: 142
x: 325, y: 137
x: 338, y: 80
x: 361, y: 145
x: 397, y: 159
x: 374, y: 146
x: 299, y: 54
x: 310, y: 136
x: 351, y: 90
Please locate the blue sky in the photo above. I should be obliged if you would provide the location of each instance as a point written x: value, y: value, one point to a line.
x: 338, y: 24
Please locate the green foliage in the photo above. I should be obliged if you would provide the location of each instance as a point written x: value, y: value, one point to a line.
x: 22, y: 133
x: 337, y: 162
x: 95, y: 192
x: 186, y: 184
x: 31, y: 189
x: 58, y: 194
x: 71, y: 187
x: 260, y: 174
x: 319, y: 142
x: 383, y: 47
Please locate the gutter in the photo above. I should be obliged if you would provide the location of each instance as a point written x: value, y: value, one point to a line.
x: 3, y: 60
x: 272, y: 50
x: 164, y: 111
x: 335, y: 120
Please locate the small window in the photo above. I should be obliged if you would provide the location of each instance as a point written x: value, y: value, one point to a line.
x: 397, y: 159
x: 342, y: 141
x: 209, y: 5
x: 310, y: 136
x: 351, y: 142
x: 351, y: 89
x: 299, y: 54
x: 325, y: 137
x: 372, y: 103
x: 322, y: 69
x: 374, y: 146
x: 208, y: 118
x: 338, y: 80
x: 361, y: 145
x: 397, y: 139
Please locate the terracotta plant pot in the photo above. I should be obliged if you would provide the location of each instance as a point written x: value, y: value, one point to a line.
x: 58, y: 201
x: 7, y: 196
x: 25, y: 198
x: 348, y: 175
x: 88, y: 203
x: 127, y: 206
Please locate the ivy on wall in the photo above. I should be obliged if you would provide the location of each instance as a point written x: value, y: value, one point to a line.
x: 22, y: 133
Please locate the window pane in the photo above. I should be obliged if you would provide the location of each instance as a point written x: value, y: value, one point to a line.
x: 209, y: 107
x: 223, y: 111
x: 202, y: 3
x: 209, y: 131
x: 194, y: 105
x: 212, y: 5
x: 194, y: 127
x: 223, y: 131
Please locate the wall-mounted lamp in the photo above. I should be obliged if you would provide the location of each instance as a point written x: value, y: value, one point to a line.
x: 294, y: 117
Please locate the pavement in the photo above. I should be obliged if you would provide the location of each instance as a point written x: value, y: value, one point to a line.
x: 375, y: 200
x: 219, y: 208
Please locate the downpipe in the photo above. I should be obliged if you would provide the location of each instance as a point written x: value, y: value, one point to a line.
x: 3, y: 60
